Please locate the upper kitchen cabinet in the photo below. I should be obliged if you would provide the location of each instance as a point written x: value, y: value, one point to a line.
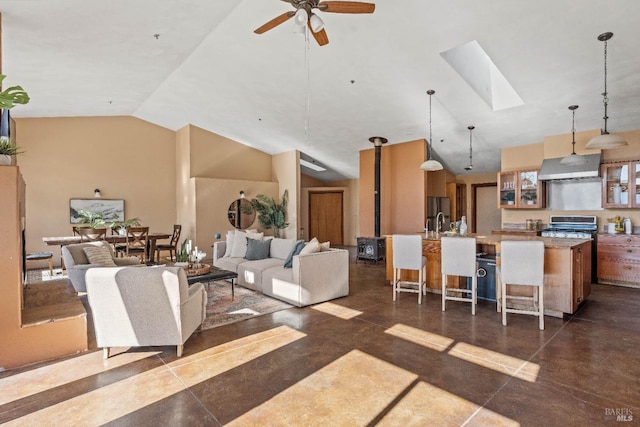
x: 621, y: 184
x: 520, y: 189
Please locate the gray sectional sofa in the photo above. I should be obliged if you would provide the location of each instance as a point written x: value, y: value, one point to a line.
x: 313, y: 277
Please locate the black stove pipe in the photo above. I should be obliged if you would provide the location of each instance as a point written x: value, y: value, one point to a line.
x: 377, y: 142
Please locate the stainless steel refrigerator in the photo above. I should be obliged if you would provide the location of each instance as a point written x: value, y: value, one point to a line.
x: 436, y: 205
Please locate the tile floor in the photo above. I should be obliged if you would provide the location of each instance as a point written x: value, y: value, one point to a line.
x: 357, y: 361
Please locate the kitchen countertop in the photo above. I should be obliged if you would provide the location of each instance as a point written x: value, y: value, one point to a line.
x: 494, y: 239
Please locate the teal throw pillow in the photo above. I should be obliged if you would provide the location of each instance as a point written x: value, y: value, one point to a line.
x: 288, y: 263
x: 257, y: 249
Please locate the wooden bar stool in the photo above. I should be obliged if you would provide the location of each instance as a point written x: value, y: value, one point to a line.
x: 39, y: 256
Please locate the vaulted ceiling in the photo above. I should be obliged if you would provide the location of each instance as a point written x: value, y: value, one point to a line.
x: 192, y: 61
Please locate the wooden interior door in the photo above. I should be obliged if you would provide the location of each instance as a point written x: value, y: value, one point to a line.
x: 325, y: 217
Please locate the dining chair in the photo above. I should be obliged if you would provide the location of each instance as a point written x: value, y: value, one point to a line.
x: 407, y: 255
x: 91, y: 234
x: 172, y: 246
x: 136, y: 243
x: 458, y: 258
x: 521, y: 264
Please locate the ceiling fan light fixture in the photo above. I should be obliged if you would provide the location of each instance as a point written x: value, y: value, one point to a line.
x: 317, y: 24
x: 606, y: 140
x: 300, y: 18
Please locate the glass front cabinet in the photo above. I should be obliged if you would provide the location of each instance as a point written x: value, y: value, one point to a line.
x: 520, y: 189
x: 621, y: 185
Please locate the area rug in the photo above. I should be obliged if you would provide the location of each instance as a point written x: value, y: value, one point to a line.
x: 222, y: 310
x: 43, y: 275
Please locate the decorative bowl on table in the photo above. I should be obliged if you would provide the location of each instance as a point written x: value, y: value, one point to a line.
x: 197, y: 269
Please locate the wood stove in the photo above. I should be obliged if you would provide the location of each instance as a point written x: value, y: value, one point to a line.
x: 373, y: 248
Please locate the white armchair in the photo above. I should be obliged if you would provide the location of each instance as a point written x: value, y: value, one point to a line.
x: 146, y: 306
x: 77, y: 263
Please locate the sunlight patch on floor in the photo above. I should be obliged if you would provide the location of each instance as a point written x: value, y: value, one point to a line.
x: 349, y: 391
x: 108, y: 403
x: 57, y: 374
x: 345, y: 313
x: 428, y: 405
x: 418, y: 336
x: 219, y: 359
x: 497, y: 361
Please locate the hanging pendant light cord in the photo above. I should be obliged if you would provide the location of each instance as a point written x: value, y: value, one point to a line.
x: 307, y: 101
x: 430, y: 142
x: 573, y: 129
x: 605, y: 93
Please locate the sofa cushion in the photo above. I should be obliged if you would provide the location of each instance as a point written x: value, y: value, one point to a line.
x: 311, y: 247
x: 230, y: 235
x: 295, y: 251
x: 250, y: 272
x: 325, y: 246
x: 239, y: 247
x: 257, y: 249
x: 229, y: 263
x: 281, y: 248
x: 99, y: 255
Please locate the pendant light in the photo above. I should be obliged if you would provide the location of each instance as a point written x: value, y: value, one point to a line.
x: 430, y: 164
x: 573, y: 158
x: 606, y: 140
x: 470, y: 167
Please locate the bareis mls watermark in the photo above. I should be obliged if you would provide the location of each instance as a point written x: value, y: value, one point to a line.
x: 618, y: 414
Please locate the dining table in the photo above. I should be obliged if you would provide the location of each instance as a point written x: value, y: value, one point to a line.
x: 113, y: 238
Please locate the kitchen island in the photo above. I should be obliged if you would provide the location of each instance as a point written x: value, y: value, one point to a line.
x: 567, y: 271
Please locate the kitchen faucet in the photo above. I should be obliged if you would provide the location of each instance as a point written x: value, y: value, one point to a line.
x: 439, y: 222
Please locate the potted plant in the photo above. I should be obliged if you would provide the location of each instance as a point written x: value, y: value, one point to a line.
x: 122, y: 226
x: 12, y: 96
x: 271, y: 214
x: 182, y: 255
x: 7, y: 150
x: 8, y: 99
x: 91, y: 219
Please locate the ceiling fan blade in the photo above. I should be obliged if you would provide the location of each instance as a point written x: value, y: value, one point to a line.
x: 274, y: 22
x: 320, y: 36
x: 346, y: 7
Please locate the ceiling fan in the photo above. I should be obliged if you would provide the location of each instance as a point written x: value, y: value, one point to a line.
x: 304, y: 14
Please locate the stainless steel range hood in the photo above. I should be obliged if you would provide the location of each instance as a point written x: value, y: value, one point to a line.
x: 551, y: 169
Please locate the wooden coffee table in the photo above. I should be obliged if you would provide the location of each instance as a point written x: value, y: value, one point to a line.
x: 213, y: 275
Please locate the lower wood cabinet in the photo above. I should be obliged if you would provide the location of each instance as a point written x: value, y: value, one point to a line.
x: 619, y: 259
x: 567, y: 273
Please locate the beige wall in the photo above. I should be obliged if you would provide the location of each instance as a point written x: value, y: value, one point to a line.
x: 402, y: 186
x: 68, y: 157
x: 531, y: 156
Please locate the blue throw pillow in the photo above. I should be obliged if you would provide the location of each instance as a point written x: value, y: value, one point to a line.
x: 288, y: 263
x: 257, y: 249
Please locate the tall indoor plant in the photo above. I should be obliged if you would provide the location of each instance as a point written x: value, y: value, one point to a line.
x: 272, y: 215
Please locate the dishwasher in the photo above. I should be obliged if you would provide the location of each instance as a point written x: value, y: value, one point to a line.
x: 486, y: 276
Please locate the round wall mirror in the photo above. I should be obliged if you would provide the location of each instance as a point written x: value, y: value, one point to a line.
x: 241, y: 214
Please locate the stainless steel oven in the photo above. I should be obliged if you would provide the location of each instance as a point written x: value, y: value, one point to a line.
x: 576, y: 227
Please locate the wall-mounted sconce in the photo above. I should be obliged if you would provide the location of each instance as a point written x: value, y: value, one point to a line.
x: 96, y: 193
x: 241, y: 194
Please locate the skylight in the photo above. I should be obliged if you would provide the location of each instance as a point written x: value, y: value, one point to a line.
x: 473, y: 64
x: 313, y: 166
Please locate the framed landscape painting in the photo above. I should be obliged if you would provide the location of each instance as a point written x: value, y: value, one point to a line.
x: 111, y: 209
